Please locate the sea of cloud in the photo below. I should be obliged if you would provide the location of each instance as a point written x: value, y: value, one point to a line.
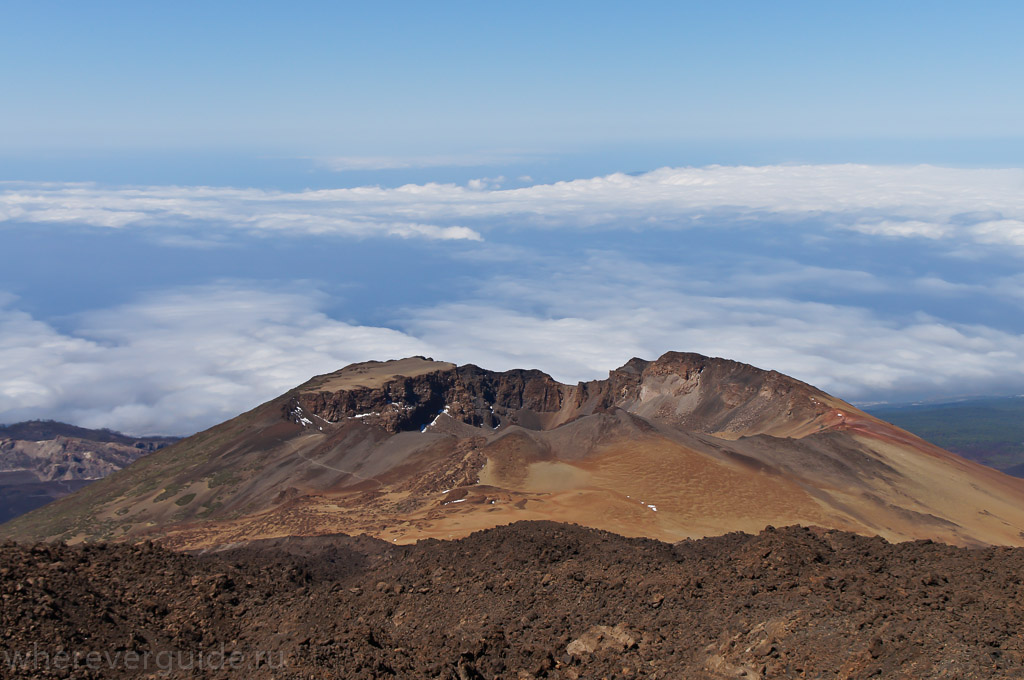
x: 979, y: 205
x: 189, y: 356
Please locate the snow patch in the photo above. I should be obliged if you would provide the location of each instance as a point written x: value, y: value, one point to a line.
x: 446, y: 411
x: 300, y: 418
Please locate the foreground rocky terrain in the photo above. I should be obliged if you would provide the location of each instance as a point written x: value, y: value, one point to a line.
x: 530, y: 600
x: 684, y: 446
x: 42, y: 460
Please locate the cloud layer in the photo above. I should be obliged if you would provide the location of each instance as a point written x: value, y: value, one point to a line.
x: 178, y: 361
x: 874, y: 283
x: 184, y: 360
x: 974, y: 205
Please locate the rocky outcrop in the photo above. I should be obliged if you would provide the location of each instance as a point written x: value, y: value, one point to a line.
x: 469, y: 394
x: 692, y: 391
x: 401, y: 404
x: 727, y: 398
x: 512, y: 390
x: 57, y: 457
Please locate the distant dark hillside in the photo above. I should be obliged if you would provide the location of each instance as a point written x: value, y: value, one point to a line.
x: 38, y: 430
x: 989, y: 430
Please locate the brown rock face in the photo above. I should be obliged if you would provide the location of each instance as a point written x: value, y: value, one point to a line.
x: 699, y: 393
x: 400, y: 404
x: 469, y: 394
x: 727, y: 398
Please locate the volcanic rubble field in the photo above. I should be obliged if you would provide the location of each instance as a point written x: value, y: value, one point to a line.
x: 530, y: 600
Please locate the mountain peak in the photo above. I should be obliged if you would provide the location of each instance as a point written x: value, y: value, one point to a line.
x: 712, y: 395
x: 681, y: 446
x: 371, y: 374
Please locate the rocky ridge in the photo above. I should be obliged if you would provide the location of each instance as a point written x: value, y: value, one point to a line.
x: 53, y: 451
x: 744, y: 399
x: 43, y: 460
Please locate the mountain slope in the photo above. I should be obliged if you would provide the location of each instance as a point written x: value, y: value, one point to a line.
x: 684, y: 446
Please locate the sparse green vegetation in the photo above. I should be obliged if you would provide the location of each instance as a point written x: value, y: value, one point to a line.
x: 185, y: 500
x: 222, y: 478
x: 168, y: 492
x: 210, y: 507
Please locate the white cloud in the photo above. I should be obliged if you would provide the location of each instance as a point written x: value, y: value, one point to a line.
x: 984, y: 206
x: 904, y: 229
x: 179, y: 361
x: 1000, y: 232
x: 849, y: 351
x: 226, y: 209
x: 483, y: 183
x: 582, y: 321
x: 187, y: 359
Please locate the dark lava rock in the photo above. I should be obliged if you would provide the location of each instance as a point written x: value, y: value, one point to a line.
x: 508, y: 603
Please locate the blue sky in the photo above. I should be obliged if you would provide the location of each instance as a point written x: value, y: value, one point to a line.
x: 406, y: 78
x: 203, y: 205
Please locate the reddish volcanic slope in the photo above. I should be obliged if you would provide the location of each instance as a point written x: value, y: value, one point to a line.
x: 681, y: 447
